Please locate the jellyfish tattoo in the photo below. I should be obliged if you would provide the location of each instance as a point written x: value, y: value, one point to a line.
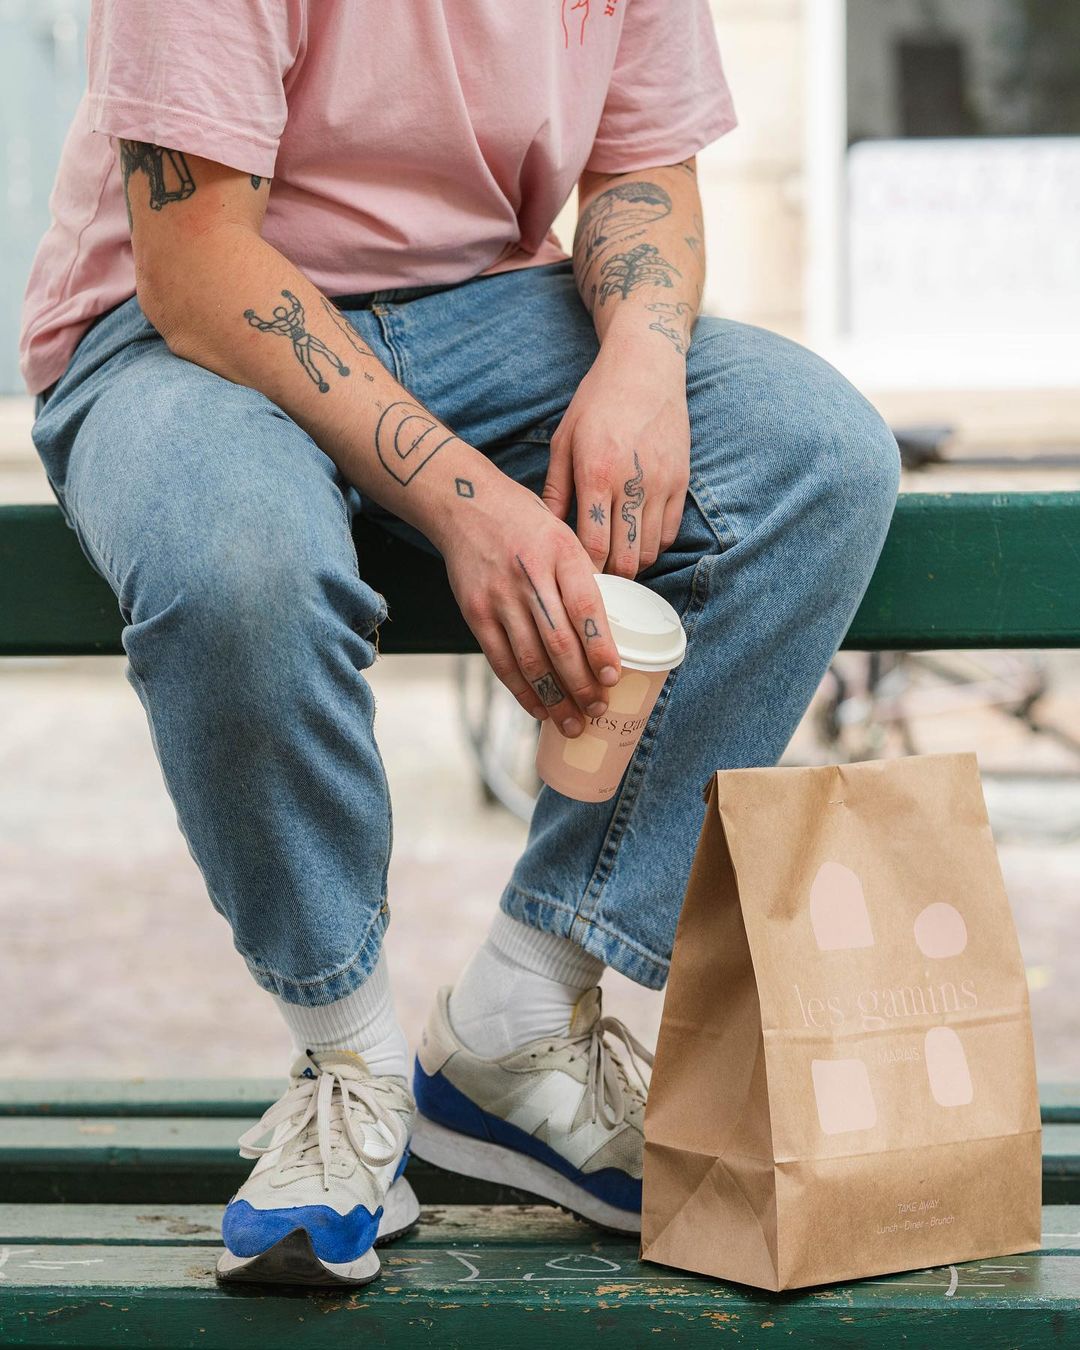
x: 288, y: 321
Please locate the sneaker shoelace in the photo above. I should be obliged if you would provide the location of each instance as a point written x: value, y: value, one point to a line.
x: 608, y: 1085
x: 326, y: 1109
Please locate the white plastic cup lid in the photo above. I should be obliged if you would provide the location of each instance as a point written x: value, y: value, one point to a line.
x: 646, y: 629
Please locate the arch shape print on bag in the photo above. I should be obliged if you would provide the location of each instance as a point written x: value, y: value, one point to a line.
x: 838, y: 911
x: 947, y: 1067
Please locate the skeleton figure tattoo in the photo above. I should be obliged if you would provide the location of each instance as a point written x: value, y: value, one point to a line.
x: 635, y: 498
x: 349, y: 333
x: 288, y: 321
x: 642, y: 266
x: 166, y: 170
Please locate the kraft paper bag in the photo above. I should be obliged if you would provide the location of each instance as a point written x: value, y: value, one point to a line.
x: 845, y: 1081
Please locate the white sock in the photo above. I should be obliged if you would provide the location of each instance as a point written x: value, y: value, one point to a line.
x: 362, y: 1021
x: 519, y: 986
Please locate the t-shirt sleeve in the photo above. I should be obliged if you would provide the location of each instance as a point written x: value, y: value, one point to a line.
x: 667, y: 98
x: 201, y: 76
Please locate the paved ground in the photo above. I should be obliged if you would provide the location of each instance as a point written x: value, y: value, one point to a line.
x: 113, y: 961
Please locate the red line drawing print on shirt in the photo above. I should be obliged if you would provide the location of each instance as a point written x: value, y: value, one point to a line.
x: 578, y: 6
x: 288, y: 321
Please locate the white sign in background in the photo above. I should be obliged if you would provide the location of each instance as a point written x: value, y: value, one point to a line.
x: 978, y: 236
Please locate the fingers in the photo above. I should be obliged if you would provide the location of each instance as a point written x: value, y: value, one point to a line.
x: 559, y: 484
x: 585, y: 610
x: 630, y: 498
x: 594, y: 521
x: 499, y: 651
x: 672, y: 518
x: 651, y: 520
x: 550, y: 652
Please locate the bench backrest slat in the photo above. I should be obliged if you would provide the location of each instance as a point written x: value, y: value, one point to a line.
x: 958, y: 570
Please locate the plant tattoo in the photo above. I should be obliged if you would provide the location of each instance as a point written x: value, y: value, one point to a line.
x: 642, y: 266
x: 635, y: 497
x: 596, y: 513
x: 613, y: 214
x: 288, y: 321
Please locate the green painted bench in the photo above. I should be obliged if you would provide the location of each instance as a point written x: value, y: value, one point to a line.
x: 958, y: 570
x: 110, y: 1193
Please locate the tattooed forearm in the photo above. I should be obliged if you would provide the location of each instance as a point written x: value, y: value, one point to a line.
x: 643, y: 265
x: 596, y: 513
x: 407, y: 436
x: 351, y: 336
x: 674, y: 322
x: 635, y: 499
x: 548, y: 689
x: 539, y: 597
x: 167, y: 171
x: 288, y: 321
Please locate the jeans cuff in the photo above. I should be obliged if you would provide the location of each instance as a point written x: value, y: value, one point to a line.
x: 339, y: 983
x: 614, y: 949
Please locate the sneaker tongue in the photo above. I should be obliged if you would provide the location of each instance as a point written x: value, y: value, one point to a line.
x: 586, y: 1012
x: 345, y: 1063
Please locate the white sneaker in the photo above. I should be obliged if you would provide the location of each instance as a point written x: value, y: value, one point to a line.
x: 328, y: 1186
x: 560, y: 1118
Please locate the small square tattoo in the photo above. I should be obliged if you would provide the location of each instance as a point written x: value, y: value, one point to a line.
x: 464, y: 487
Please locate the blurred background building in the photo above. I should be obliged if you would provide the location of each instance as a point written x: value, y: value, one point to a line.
x: 902, y: 193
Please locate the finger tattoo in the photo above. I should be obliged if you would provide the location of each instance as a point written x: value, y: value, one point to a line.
x: 539, y: 599
x: 635, y: 497
x: 596, y: 513
x: 591, y: 630
x: 548, y: 689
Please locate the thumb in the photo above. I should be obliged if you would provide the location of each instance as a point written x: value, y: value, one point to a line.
x: 559, y: 484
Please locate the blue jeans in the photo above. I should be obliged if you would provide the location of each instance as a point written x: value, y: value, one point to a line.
x: 225, y: 533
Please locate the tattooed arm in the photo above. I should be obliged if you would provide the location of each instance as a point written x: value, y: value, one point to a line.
x: 225, y: 299
x: 623, y: 448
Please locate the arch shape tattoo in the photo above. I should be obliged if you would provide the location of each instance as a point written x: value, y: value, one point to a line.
x: 674, y: 322
x: 635, y: 499
x: 612, y: 214
x: 167, y: 172
x: 406, y: 437
x: 288, y: 321
x: 625, y: 272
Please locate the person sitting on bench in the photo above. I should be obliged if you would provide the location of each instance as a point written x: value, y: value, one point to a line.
x: 377, y: 184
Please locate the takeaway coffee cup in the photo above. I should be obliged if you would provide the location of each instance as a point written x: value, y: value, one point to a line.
x: 651, y: 642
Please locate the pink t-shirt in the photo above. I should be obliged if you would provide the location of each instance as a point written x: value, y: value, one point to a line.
x: 410, y: 142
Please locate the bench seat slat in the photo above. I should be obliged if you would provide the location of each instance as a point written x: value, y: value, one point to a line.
x: 958, y: 570
x: 247, y: 1098
x: 174, y: 1159
x: 481, y: 1279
